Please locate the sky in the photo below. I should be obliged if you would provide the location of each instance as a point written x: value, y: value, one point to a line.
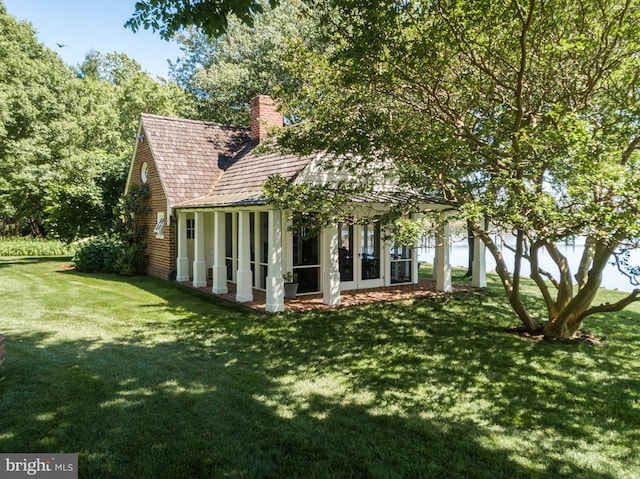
x: 85, y: 25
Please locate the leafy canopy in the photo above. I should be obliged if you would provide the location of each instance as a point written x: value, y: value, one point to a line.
x: 224, y: 73
x: 168, y: 17
x: 66, y: 134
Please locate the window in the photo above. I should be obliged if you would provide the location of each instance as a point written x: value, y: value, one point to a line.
x: 230, y: 262
x: 400, y: 264
x: 370, y: 251
x: 144, y: 172
x: 191, y: 228
x: 159, y: 228
x: 264, y: 249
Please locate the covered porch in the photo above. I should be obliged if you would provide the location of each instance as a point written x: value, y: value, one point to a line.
x: 241, y: 254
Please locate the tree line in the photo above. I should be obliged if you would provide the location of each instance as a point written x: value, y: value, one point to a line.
x: 67, y: 133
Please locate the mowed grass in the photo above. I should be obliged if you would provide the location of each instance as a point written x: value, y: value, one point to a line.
x: 145, y: 379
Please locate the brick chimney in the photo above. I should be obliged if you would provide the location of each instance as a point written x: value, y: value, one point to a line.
x: 263, y: 115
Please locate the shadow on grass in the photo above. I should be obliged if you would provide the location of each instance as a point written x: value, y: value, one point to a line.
x: 132, y: 410
x: 422, y: 389
x: 6, y: 261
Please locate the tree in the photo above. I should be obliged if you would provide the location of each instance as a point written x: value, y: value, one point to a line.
x: 224, y: 73
x: 114, y: 91
x: 168, y: 17
x: 522, y: 115
x: 37, y: 104
x: 67, y: 135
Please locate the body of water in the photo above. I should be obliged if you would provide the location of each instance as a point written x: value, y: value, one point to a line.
x: 612, y: 278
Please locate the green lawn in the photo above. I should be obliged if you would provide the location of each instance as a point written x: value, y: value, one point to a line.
x: 147, y: 380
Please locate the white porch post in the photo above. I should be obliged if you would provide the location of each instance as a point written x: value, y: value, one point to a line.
x: 182, y: 263
x: 479, y: 266
x: 331, y: 277
x: 415, y: 265
x: 199, y: 263
x: 275, y: 282
x: 219, y: 247
x: 244, y: 291
x: 443, y: 253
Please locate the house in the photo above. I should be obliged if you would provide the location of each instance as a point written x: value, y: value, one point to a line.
x: 210, y: 219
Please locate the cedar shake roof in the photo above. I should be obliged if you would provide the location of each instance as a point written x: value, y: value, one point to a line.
x: 190, y: 155
x: 208, y: 164
x: 241, y: 183
x: 204, y: 164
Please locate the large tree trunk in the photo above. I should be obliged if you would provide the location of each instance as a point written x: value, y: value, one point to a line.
x: 585, y: 261
x: 570, y: 317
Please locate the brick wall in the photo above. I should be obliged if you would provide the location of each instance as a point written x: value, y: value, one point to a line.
x: 263, y: 115
x: 160, y: 251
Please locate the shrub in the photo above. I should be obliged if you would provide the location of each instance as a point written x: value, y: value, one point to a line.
x: 100, y: 254
x: 123, y: 251
x: 133, y: 256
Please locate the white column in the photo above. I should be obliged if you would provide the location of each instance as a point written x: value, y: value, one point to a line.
x: 182, y: 263
x: 244, y: 291
x: 275, y: 282
x: 331, y: 277
x: 199, y: 262
x: 415, y: 265
x: 443, y: 253
x: 219, y: 248
x: 479, y: 266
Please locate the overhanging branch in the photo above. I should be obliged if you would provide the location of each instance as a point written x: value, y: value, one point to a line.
x: 613, y: 307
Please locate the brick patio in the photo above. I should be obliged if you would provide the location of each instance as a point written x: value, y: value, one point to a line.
x: 424, y: 289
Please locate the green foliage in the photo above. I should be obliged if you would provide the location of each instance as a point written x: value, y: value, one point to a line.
x: 83, y: 203
x: 37, y: 106
x: 123, y: 250
x: 67, y: 135
x: 290, y: 277
x: 34, y: 247
x: 100, y: 254
x: 211, y: 16
x: 313, y: 206
x: 132, y: 233
x: 224, y: 73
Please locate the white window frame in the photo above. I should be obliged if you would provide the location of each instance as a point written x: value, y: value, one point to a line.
x: 159, y: 228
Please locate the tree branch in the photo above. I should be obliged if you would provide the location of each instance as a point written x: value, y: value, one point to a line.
x: 613, y: 307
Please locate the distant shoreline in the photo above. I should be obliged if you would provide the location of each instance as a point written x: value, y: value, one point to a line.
x: 612, y: 278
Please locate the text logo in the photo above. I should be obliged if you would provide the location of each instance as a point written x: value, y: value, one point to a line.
x: 47, y: 466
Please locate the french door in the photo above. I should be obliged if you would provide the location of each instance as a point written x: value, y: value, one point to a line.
x: 360, y: 256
